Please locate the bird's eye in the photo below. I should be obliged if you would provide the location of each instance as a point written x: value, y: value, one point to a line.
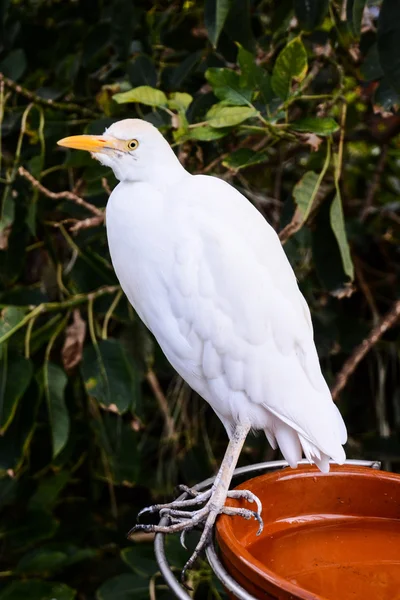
x: 133, y: 144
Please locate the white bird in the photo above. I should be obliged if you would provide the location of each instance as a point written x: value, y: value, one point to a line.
x: 208, y: 276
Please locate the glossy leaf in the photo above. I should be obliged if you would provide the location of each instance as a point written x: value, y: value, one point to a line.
x: 141, y: 71
x: 15, y: 375
x: 37, y: 590
x: 389, y: 42
x: 215, y: 14
x: 228, y: 85
x: 54, y: 382
x: 310, y: 13
x: 354, y: 13
x: 10, y: 317
x: 255, y: 76
x: 338, y: 227
x: 143, y: 94
x: 385, y: 96
x: 221, y: 115
x: 48, y: 490
x: 109, y: 375
x: 180, y: 101
x: 140, y: 558
x: 123, y: 587
x: 304, y: 193
x: 35, y: 526
x: 290, y: 65
x: 51, y: 559
x: 320, y: 126
x: 14, y: 65
x: 207, y: 134
x: 371, y: 68
x: 244, y: 157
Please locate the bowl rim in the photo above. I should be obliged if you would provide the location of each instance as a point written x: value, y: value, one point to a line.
x: 240, y: 558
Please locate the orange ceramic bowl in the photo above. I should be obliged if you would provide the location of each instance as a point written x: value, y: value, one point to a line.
x: 332, y: 536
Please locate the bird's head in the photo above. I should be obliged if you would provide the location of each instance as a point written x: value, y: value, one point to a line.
x: 134, y: 149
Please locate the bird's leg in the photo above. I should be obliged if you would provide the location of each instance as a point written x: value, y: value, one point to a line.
x: 182, y: 520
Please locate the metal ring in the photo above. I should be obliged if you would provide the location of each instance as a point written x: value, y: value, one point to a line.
x: 212, y: 557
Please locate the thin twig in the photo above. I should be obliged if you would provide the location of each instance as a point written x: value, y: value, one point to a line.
x: 60, y: 195
x: 377, y: 332
x: 32, y: 97
x: 162, y: 402
x: 87, y: 223
x: 105, y: 185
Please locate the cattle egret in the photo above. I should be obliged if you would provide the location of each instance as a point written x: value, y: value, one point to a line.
x: 209, y: 278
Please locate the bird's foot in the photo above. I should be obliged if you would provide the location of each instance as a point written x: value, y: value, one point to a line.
x: 182, y: 520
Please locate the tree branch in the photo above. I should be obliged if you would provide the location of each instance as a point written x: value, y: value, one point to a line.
x: 162, y: 402
x: 351, y: 364
x: 32, y: 97
x: 60, y: 195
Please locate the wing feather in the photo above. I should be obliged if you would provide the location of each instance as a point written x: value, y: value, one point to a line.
x: 244, y: 303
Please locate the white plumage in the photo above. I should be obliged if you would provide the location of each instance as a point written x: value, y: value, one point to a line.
x: 208, y: 276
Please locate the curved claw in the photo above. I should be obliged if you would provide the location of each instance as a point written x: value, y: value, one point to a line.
x: 147, y: 509
x: 139, y: 527
x: 182, y: 539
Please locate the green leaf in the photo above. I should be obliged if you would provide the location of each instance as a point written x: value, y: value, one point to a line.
x: 109, y: 375
x: 37, y: 590
x: 54, y: 382
x: 48, y: 560
x: 14, y: 64
x: 33, y: 527
x: 338, y: 227
x: 305, y: 191
x: 371, y: 68
x: 354, y: 14
x: 123, y: 587
x: 386, y: 96
x: 15, y: 376
x: 49, y: 489
x: 180, y: 101
x: 221, y: 115
x: 228, y: 85
x: 41, y: 560
x: 141, y: 71
x: 215, y: 14
x: 389, y: 42
x: 206, y: 134
x: 244, y: 157
x: 140, y: 558
x: 11, y: 316
x: 310, y: 13
x: 143, y: 94
x: 255, y: 76
x: 290, y: 64
x: 320, y: 126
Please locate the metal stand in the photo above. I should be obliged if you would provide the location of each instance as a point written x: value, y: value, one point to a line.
x: 212, y: 557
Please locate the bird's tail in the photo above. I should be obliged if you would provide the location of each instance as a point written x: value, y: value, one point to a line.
x: 293, y: 444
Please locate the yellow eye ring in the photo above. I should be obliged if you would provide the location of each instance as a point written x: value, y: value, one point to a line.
x: 133, y: 144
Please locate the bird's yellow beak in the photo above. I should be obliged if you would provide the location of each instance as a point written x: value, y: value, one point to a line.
x: 91, y: 143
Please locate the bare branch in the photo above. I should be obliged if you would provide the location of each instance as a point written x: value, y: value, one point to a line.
x: 60, y: 195
x: 162, y: 402
x: 87, y: 223
x: 105, y: 185
x: 32, y: 97
x: 377, y: 332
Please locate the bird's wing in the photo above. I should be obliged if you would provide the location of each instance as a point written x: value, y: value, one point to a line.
x: 233, y: 288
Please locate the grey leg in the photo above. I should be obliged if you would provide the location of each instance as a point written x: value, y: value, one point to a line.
x: 184, y: 520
